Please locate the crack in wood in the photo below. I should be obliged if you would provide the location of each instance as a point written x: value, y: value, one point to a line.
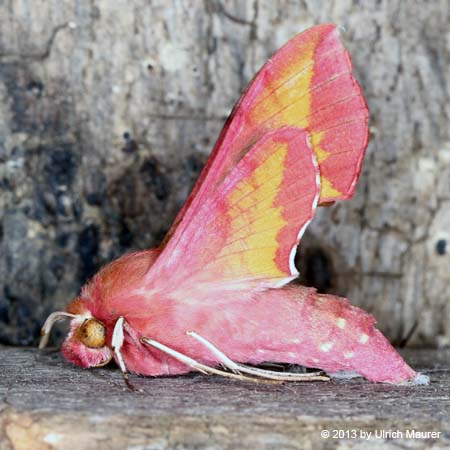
x: 37, y: 56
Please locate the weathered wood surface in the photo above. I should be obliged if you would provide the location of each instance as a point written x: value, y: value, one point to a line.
x: 109, y: 108
x: 49, y: 404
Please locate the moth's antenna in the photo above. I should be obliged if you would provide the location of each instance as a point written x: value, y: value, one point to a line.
x: 51, y: 319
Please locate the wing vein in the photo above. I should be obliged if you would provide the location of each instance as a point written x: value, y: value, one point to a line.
x: 298, y: 74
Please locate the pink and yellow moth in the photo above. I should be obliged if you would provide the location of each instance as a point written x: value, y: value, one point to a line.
x: 216, y: 292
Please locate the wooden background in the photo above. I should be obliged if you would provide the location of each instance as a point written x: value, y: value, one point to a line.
x: 48, y: 404
x: 108, y: 110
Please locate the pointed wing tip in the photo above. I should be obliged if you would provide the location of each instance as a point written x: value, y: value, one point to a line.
x: 362, y: 124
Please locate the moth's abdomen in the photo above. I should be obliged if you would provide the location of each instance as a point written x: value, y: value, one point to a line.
x: 291, y: 325
x: 335, y: 336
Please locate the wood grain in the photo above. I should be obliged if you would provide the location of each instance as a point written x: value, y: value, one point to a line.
x: 49, y: 404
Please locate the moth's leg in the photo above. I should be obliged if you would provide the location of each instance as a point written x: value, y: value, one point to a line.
x: 224, y: 360
x: 267, y: 374
x: 195, y: 364
x: 116, y: 343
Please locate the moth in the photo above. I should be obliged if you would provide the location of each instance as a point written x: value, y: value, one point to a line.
x: 216, y: 295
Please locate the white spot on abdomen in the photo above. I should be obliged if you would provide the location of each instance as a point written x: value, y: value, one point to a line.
x: 348, y: 355
x: 326, y: 347
x: 340, y: 322
x: 364, y: 338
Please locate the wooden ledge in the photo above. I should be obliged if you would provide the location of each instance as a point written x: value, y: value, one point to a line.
x: 49, y: 404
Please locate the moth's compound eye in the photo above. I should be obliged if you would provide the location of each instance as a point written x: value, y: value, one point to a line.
x: 92, y: 333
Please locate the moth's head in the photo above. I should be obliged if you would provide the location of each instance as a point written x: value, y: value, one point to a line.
x: 85, y: 345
